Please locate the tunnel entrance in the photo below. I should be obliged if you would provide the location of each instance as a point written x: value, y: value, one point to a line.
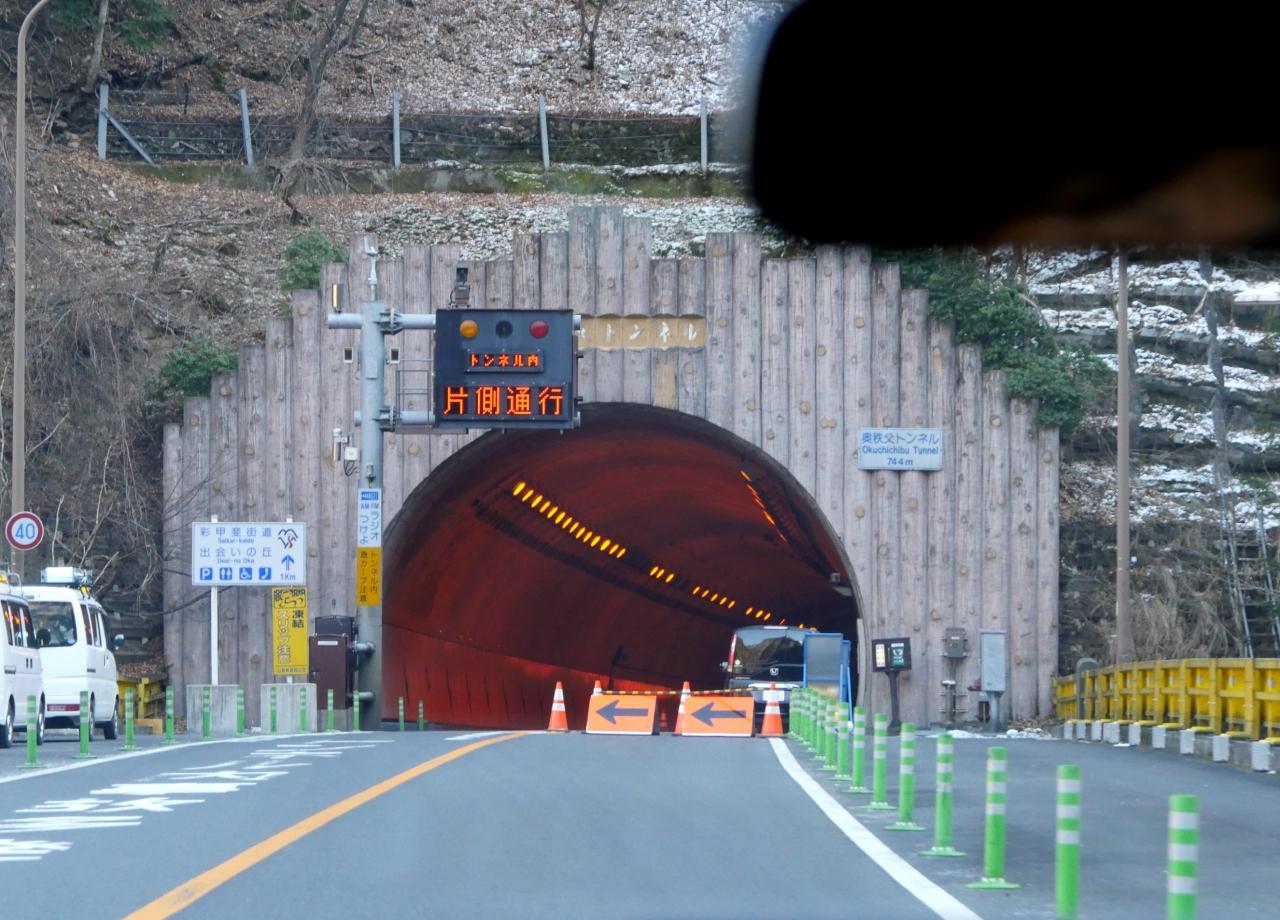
x: 626, y: 551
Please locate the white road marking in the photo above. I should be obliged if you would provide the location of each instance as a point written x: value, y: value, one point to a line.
x: 14, y: 850
x: 901, y: 871
x: 150, y: 797
x: 150, y: 789
x: 473, y: 735
x: 60, y: 823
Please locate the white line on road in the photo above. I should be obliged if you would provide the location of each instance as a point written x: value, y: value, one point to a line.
x: 901, y: 871
x: 474, y: 735
x: 185, y: 745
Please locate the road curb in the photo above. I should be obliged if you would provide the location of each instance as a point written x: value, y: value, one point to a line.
x: 1256, y: 756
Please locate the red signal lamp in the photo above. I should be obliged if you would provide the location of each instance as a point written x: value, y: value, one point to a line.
x: 539, y: 328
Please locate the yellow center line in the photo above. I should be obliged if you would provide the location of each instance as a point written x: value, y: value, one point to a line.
x: 191, y: 891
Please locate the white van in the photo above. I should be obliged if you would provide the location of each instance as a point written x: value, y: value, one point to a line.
x: 20, y: 666
x: 77, y: 655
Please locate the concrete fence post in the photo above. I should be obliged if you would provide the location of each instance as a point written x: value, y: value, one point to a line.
x: 542, y: 130
x: 244, y: 127
x: 702, y: 120
x: 1184, y: 856
x: 103, y: 92
x: 997, y: 799
x: 395, y: 129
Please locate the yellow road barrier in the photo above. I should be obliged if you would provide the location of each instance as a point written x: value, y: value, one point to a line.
x: 1239, y: 697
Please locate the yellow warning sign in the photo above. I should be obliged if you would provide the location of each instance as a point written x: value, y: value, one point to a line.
x: 289, y: 651
x: 368, y: 576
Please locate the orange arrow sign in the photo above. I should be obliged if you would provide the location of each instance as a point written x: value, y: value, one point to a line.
x: 616, y: 714
x: 719, y: 716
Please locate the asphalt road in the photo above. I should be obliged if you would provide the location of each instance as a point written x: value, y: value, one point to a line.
x: 458, y: 825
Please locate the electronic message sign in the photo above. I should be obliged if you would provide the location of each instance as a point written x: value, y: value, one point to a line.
x: 504, y: 369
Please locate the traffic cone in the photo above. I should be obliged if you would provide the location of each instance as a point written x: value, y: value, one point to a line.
x: 684, y: 696
x: 772, y: 725
x: 559, y: 721
x: 596, y: 691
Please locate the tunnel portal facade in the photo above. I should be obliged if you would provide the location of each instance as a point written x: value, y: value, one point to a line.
x: 694, y: 371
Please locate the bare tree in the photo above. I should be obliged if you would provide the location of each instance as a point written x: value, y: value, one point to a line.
x: 337, y: 29
x: 588, y: 25
x: 95, y: 59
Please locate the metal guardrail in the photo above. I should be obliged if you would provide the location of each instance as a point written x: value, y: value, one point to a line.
x: 220, y: 126
x: 1239, y: 697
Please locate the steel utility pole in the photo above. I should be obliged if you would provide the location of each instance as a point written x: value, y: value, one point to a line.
x: 375, y: 417
x: 18, y: 487
x: 1124, y: 621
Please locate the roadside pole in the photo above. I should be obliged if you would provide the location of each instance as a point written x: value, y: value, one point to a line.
x: 372, y: 363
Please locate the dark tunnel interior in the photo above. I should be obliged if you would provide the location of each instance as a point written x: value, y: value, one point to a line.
x: 625, y: 551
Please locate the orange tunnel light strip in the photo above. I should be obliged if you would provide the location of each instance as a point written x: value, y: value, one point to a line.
x: 518, y: 489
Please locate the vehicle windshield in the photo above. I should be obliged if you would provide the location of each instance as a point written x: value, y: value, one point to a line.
x: 55, y: 623
x: 768, y: 654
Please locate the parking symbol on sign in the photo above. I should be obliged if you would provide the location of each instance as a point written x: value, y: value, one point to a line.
x: 206, y: 573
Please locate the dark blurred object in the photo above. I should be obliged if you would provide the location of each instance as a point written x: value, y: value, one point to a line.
x: 1059, y: 126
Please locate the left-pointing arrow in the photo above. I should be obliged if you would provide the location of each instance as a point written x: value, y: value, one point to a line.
x: 708, y: 714
x: 610, y: 712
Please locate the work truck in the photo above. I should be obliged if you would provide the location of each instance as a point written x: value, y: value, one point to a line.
x: 790, y: 657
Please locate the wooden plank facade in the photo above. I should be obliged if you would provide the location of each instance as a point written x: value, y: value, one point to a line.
x: 792, y: 355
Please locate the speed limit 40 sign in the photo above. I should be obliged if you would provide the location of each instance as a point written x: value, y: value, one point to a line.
x: 24, y: 531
